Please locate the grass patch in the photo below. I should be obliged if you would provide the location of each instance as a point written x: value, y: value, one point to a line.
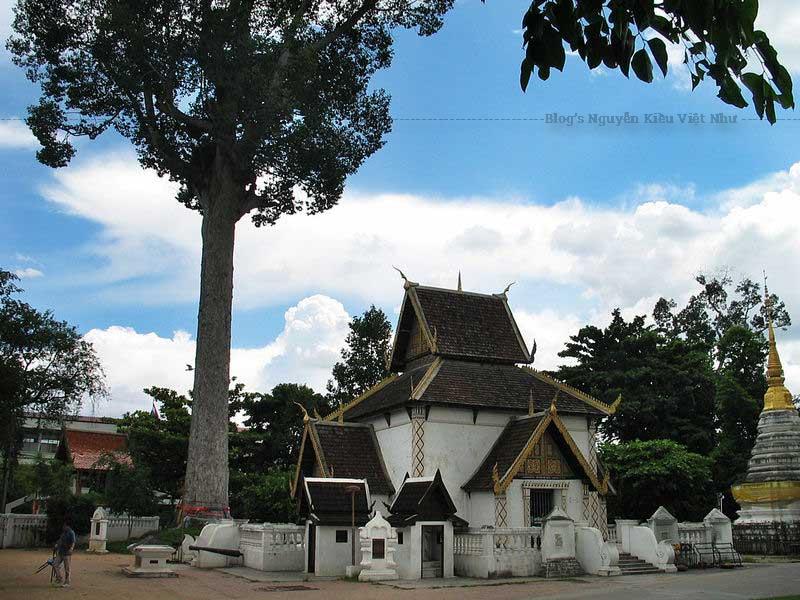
x: 795, y: 597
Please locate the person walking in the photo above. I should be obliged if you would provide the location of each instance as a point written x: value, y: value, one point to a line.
x: 64, y: 548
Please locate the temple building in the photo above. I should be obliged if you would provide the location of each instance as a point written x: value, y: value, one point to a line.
x: 462, y: 433
x: 770, y: 493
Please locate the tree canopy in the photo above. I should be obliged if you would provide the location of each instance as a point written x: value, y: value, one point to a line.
x: 45, y: 367
x: 718, y: 40
x: 363, y: 361
x: 258, y: 106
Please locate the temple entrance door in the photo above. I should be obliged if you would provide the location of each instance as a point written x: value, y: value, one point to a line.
x: 311, y: 548
x: 432, y: 551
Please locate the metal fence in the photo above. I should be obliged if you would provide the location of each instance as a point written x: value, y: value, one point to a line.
x: 767, y: 538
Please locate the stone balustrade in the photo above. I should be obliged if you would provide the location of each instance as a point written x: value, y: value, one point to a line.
x: 272, y: 547
x: 490, y: 553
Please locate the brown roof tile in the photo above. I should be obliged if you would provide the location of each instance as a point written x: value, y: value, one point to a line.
x: 86, y: 448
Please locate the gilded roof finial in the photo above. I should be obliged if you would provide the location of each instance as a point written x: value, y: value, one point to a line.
x: 495, y: 475
x: 531, y: 403
x: 777, y: 396
x: 508, y: 287
x: 340, y: 419
x: 459, y: 280
x: 306, y: 418
x: 406, y: 282
x: 554, y: 400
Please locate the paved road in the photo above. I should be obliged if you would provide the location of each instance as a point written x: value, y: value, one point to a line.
x: 100, y: 578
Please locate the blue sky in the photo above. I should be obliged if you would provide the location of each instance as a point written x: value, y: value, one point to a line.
x: 584, y: 217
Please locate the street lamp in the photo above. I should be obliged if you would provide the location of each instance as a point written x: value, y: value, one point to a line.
x: 353, y: 490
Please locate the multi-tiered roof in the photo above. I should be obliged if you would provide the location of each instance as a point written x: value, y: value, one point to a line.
x: 457, y: 348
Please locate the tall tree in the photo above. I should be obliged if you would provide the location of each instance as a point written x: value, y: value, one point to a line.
x: 363, y: 361
x: 718, y: 38
x: 45, y: 367
x: 258, y: 106
x: 667, y: 384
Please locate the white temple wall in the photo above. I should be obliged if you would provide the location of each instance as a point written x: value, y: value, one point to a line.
x: 579, y: 430
x: 395, y: 443
x: 333, y: 557
x: 457, y: 447
x: 480, y: 510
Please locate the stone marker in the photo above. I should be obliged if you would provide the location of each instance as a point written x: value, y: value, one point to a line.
x: 151, y: 561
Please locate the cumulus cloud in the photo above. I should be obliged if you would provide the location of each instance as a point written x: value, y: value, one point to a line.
x: 647, y: 245
x: 15, y: 134
x: 304, y: 352
x: 780, y: 19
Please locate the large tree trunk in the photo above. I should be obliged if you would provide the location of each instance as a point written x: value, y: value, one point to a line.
x: 206, y: 485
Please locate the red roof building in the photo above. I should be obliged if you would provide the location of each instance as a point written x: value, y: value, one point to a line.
x: 85, y: 449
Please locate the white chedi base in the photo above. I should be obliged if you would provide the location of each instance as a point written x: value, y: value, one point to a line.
x: 783, y: 512
x: 378, y: 533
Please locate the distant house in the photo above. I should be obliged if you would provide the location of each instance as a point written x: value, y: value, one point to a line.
x: 84, y: 451
x: 41, y: 436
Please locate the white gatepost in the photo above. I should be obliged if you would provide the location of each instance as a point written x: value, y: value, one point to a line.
x: 720, y: 525
x: 98, y: 535
x: 664, y: 526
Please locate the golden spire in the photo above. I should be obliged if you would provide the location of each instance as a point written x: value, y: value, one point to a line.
x: 777, y: 396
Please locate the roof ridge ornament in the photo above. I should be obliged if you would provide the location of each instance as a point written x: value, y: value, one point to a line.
x: 459, y: 281
x: 533, y: 350
x: 508, y: 287
x: 553, y: 408
x: 306, y: 418
x: 777, y: 397
x: 531, y: 403
x: 407, y: 283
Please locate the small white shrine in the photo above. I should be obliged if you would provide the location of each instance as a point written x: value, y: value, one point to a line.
x: 98, y: 534
x: 378, y: 545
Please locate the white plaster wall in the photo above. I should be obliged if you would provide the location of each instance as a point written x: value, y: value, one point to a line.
x: 395, y: 444
x: 579, y: 430
x: 457, y: 447
x: 402, y: 555
x: 480, y: 509
x: 332, y: 558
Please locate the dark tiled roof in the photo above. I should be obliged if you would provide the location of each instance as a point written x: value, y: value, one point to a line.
x: 85, y: 448
x: 389, y: 396
x: 328, y: 502
x: 505, y: 450
x: 352, y: 451
x: 468, y: 325
x: 498, y: 386
x: 477, y: 385
x: 424, y: 499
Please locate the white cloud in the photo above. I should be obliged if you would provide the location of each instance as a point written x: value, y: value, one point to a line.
x: 627, y: 255
x: 28, y: 273
x: 15, y: 134
x: 304, y: 352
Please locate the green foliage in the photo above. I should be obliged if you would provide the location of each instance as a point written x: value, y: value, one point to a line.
x: 161, y: 445
x: 263, y: 496
x: 363, y: 361
x: 658, y: 472
x: 44, y: 479
x: 667, y: 385
x: 78, y: 509
x: 128, y: 489
x: 270, y: 96
x: 273, y: 427
x: 717, y: 37
x: 45, y: 367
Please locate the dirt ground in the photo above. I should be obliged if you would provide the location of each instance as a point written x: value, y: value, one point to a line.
x: 100, y: 578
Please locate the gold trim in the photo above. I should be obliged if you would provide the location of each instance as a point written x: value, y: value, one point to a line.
x: 427, y: 378
x: 299, y: 460
x: 517, y: 332
x: 766, y: 491
x: 608, y: 409
x: 502, y: 484
x: 426, y: 329
x: 345, y: 407
x: 321, y: 462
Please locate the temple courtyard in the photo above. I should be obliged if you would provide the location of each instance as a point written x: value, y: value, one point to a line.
x: 100, y: 578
